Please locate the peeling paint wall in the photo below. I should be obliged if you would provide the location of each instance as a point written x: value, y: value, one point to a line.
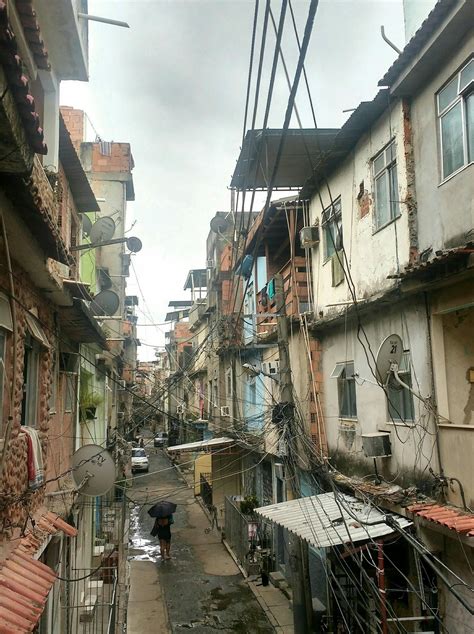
x: 372, y: 254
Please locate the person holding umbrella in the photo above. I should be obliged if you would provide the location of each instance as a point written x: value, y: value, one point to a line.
x: 163, y: 514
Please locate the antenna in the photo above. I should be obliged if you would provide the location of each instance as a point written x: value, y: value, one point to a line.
x: 134, y: 244
x: 388, y: 361
x: 105, y: 303
x: 102, y: 230
x: 86, y: 225
x: 219, y: 224
x: 93, y: 470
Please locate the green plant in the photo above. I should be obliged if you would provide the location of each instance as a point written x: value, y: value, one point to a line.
x: 249, y: 504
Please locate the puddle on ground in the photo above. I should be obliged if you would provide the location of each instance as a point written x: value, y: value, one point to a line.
x: 141, y: 548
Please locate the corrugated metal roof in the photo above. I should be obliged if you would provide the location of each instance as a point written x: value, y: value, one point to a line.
x: 77, y: 180
x: 25, y: 582
x: 324, y: 520
x: 203, y: 445
x: 419, y: 39
x: 295, y: 167
x: 446, y: 516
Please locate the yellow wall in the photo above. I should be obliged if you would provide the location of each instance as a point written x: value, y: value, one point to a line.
x: 202, y: 464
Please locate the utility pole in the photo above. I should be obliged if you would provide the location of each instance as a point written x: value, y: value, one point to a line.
x: 298, y: 553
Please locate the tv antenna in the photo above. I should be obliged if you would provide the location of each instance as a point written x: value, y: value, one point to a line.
x: 387, y: 363
x: 93, y: 470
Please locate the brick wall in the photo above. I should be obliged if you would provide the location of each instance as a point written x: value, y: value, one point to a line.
x: 15, y: 476
x: 317, y: 423
x: 120, y: 159
x: 74, y: 121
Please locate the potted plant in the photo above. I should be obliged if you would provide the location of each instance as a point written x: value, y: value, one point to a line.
x: 248, y: 505
x: 88, y: 403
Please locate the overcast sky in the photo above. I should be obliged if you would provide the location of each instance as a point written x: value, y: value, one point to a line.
x: 173, y: 85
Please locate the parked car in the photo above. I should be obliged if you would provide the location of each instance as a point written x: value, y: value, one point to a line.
x: 161, y: 439
x: 139, y: 460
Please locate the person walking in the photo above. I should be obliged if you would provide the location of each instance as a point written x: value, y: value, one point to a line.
x: 162, y: 530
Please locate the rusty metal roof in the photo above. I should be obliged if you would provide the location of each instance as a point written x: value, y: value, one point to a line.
x: 446, y: 516
x: 25, y: 582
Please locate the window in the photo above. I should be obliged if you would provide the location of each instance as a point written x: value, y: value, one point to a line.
x: 29, y: 409
x: 400, y: 400
x: 6, y: 325
x: 332, y: 228
x: 386, y: 186
x: 344, y: 373
x: 456, y: 120
x: 70, y: 391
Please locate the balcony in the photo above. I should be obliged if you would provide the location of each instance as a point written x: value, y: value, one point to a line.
x: 295, y: 288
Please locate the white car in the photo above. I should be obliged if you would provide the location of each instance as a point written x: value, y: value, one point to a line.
x: 139, y: 460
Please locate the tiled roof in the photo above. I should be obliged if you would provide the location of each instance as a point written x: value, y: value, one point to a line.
x: 18, y: 84
x: 32, y: 33
x: 25, y: 582
x: 446, y: 516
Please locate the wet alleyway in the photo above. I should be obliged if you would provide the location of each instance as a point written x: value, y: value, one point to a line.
x: 200, y: 588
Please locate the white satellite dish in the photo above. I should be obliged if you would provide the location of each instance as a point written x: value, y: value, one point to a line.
x: 105, y: 303
x: 93, y: 470
x: 389, y: 353
x: 134, y: 244
x: 86, y: 225
x: 102, y: 230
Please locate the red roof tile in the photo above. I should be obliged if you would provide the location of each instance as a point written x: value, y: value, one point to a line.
x: 26, y: 582
x: 446, y: 516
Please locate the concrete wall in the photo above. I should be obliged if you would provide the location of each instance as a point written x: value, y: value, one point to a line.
x: 202, y: 464
x: 453, y: 357
x: 372, y: 254
x: 445, y: 209
x: 226, y: 479
x: 412, y: 444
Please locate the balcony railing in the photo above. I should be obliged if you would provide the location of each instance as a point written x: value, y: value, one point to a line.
x: 295, y: 288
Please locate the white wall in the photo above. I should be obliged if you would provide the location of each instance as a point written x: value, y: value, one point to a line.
x: 445, y: 209
x: 412, y: 445
x: 372, y: 255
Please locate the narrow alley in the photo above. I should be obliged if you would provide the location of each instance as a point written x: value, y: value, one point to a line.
x: 200, y: 588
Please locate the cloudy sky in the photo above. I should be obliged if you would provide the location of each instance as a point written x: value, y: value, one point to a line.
x: 173, y: 85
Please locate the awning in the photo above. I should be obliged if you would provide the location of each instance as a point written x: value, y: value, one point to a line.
x: 36, y: 330
x: 204, y: 445
x: 324, y: 521
x: 26, y: 582
x: 80, y: 325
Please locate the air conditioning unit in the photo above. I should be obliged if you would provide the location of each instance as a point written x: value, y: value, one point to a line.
x: 122, y: 385
x: 309, y: 237
x: 271, y: 367
x: 377, y: 445
x: 210, y: 263
x: 225, y: 411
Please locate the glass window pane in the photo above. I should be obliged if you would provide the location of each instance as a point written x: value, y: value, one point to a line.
x: 467, y: 75
x: 452, y: 140
x: 394, y: 204
x: 448, y: 94
x: 470, y: 125
x: 379, y: 163
x: 329, y: 239
x: 382, y: 207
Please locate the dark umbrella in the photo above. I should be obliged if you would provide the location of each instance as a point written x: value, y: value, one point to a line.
x: 162, y: 509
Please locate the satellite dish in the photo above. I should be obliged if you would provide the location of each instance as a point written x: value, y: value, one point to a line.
x: 102, y: 230
x: 93, y: 470
x: 134, y: 244
x: 390, y: 351
x: 219, y: 224
x: 86, y: 225
x: 105, y: 303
